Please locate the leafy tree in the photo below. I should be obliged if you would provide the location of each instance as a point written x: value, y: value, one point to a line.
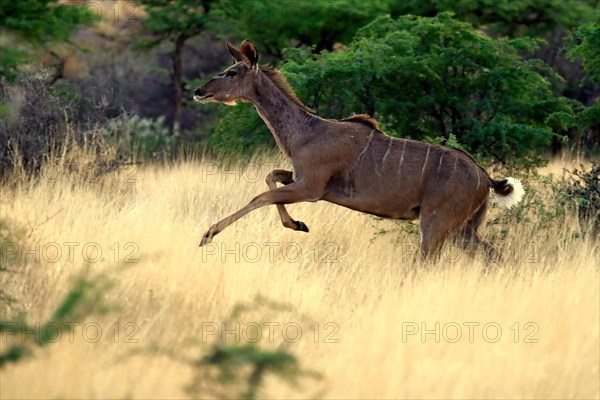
x: 274, y: 25
x: 29, y: 25
x: 548, y: 20
x: 584, y: 43
x: 511, y: 18
x: 428, y: 78
x: 174, y: 21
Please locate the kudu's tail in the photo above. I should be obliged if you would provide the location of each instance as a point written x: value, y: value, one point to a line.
x: 508, y: 192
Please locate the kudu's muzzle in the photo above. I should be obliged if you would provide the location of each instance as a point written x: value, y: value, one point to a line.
x: 200, y: 94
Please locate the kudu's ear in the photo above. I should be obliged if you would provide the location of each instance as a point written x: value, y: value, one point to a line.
x: 249, y: 54
x: 236, y: 54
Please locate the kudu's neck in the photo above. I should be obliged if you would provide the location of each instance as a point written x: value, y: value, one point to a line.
x: 287, y: 120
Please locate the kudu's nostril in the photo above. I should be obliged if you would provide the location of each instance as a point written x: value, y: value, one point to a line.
x: 198, y: 92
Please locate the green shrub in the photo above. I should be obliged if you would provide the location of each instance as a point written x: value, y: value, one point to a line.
x: 40, y: 125
x: 551, y: 201
x: 234, y: 370
x: 240, y: 132
x: 579, y: 191
x: 275, y: 25
x: 584, y: 44
x: 243, y: 368
x: 85, y: 298
x: 30, y: 25
x: 139, y: 138
x: 36, y: 122
x: 511, y: 18
x: 240, y: 370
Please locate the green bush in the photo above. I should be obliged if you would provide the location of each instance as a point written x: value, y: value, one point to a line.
x: 584, y: 44
x: 30, y: 25
x: 276, y: 25
x: 35, y: 124
x: 579, y: 192
x: 224, y: 369
x: 138, y: 137
x: 552, y: 201
x: 511, y: 18
x: 242, y: 369
x: 40, y: 124
x: 240, y: 131
x: 85, y: 298
x: 234, y: 370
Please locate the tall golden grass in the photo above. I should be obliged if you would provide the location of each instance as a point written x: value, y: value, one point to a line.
x: 361, y: 311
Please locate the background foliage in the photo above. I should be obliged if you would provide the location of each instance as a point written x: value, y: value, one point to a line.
x: 508, y: 80
x: 432, y: 77
x: 28, y: 25
x: 429, y: 77
x: 506, y: 18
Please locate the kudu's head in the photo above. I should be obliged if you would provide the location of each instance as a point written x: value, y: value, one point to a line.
x: 236, y: 82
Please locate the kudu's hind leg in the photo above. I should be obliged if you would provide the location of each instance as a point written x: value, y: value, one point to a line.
x: 436, y: 225
x: 470, y: 240
x: 433, y: 234
x: 284, y: 177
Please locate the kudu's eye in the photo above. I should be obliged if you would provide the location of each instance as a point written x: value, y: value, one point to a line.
x: 231, y: 73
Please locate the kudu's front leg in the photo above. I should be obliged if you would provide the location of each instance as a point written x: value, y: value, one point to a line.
x: 292, y: 193
x: 286, y: 178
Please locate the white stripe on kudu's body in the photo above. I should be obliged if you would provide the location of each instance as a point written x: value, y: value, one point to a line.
x: 338, y: 161
x: 425, y: 162
x: 401, y: 157
x: 386, y: 153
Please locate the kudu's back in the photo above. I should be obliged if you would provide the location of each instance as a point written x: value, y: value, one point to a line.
x: 395, y: 178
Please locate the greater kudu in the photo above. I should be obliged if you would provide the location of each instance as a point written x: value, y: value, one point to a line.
x: 352, y: 163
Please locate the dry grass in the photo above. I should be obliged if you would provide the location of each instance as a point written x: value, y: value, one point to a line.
x: 367, y: 286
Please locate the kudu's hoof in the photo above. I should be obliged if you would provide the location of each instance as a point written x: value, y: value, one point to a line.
x: 301, y: 226
x: 206, y: 239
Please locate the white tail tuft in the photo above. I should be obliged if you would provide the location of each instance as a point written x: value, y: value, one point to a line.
x: 514, y: 197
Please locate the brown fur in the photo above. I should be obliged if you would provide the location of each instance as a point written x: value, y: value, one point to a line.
x: 282, y: 84
x: 351, y: 163
x: 363, y: 119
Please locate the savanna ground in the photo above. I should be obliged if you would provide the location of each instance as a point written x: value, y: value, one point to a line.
x: 349, y: 300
